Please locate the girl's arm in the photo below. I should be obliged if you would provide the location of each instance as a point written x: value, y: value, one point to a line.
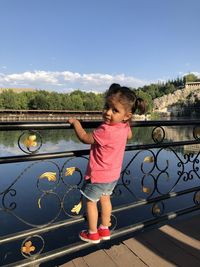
x: 130, y: 135
x: 83, y: 136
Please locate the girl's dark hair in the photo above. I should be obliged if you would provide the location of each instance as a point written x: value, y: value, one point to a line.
x: 128, y: 97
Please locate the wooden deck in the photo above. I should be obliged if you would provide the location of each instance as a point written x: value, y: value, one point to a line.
x: 174, y: 244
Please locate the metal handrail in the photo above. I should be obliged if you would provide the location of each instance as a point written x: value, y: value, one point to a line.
x: 89, y: 124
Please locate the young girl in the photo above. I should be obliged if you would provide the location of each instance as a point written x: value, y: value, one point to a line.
x: 108, y: 144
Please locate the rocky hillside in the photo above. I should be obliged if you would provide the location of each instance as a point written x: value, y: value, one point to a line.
x: 167, y: 103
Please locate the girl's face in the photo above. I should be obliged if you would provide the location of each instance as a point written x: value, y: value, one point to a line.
x: 114, y: 111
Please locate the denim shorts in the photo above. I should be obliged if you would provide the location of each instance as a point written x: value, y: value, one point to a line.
x: 93, y: 191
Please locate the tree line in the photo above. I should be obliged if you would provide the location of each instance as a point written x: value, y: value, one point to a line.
x: 79, y: 100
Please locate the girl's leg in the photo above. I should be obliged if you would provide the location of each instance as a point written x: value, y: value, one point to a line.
x: 92, y: 235
x: 92, y: 215
x: 106, y: 209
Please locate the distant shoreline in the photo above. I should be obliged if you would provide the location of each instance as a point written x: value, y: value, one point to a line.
x: 55, y: 115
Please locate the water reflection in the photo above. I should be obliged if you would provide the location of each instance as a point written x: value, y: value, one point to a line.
x: 52, y: 141
x: 66, y: 140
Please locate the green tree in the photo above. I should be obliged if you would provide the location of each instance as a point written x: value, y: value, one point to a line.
x: 93, y: 101
x: 40, y: 101
x: 23, y: 99
x: 77, y: 101
x: 190, y: 78
x: 1, y: 101
x: 147, y: 98
x: 55, y: 101
x: 169, y: 88
x: 66, y: 102
x: 9, y: 99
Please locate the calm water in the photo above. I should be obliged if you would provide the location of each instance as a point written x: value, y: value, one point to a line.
x: 27, y: 189
x: 65, y: 140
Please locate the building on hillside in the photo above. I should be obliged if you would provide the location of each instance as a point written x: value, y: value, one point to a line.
x: 192, y: 85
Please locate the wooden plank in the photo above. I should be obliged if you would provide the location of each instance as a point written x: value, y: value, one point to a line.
x: 99, y: 259
x: 189, y: 226
x: 148, y: 255
x: 123, y: 256
x: 79, y: 262
x: 187, y: 243
x: 168, y: 249
x: 67, y: 264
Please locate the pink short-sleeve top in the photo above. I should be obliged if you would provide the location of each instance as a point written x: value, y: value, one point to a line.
x: 106, y: 155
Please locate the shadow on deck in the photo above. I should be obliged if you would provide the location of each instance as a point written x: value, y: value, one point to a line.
x: 174, y: 244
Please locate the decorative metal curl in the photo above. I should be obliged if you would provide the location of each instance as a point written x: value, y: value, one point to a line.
x: 160, y: 175
x: 52, y: 177
x: 151, y: 160
x: 12, y: 192
x: 158, y: 134
x: 30, y: 142
x: 196, y: 198
x: 187, y: 176
x: 180, y: 164
x: 45, y: 194
x: 40, y: 205
x: 157, y: 163
x: 158, y: 209
x: 126, y: 182
x: 146, y: 189
x: 196, y: 133
x: 188, y: 157
x: 29, y: 247
x: 70, y: 171
x: 126, y: 172
x: 12, y: 205
x: 196, y: 165
x: 117, y: 191
x: 74, y: 210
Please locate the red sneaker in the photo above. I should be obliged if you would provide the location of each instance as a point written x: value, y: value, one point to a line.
x: 90, y: 238
x: 104, y: 234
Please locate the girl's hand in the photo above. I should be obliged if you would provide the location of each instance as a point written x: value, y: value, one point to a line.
x: 72, y: 120
x: 86, y: 138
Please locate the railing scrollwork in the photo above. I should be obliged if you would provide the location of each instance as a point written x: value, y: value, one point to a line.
x: 153, y: 175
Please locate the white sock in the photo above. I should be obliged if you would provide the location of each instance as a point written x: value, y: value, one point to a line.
x: 103, y: 227
x: 92, y: 232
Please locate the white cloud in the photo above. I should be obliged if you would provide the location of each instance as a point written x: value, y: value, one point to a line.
x: 70, y: 76
x: 43, y: 76
x: 66, y: 81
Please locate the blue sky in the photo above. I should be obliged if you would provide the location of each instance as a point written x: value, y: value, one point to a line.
x: 63, y: 45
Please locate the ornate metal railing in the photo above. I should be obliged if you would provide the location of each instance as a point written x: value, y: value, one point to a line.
x: 41, y: 212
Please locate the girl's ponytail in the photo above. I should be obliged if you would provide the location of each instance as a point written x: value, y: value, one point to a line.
x: 140, y: 105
